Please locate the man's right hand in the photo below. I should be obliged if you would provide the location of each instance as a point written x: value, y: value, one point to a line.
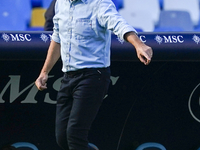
x: 41, y: 82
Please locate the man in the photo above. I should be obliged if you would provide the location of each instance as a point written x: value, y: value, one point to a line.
x: 82, y: 38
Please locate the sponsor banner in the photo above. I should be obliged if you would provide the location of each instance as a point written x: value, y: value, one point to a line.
x: 160, y: 38
x: 26, y: 37
x: 166, y: 46
x: 158, y: 103
x: 24, y: 45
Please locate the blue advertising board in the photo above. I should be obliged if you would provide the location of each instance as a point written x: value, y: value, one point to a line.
x: 156, y: 103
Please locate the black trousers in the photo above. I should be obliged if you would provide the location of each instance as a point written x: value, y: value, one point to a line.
x: 78, y: 102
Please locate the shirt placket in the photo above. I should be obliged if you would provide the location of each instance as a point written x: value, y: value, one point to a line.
x: 69, y: 34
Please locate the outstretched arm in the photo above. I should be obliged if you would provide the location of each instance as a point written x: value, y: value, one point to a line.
x: 52, y: 57
x: 144, y: 52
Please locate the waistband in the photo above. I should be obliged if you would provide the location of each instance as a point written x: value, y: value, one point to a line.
x: 79, y: 71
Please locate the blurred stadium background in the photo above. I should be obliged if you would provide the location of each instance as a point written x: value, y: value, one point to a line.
x: 144, y: 15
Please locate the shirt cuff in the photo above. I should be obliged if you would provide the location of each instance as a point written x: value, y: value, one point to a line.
x: 125, y: 30
x: 55, y: 38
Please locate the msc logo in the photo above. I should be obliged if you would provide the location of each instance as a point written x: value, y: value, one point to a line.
x: 45, y: 38
x: 12, y: 90
x: 196, y: 39
x: 194, y: 103
x: 166, y: 39
x: 169, y: 39
x: 16, y: 37
x: 143, y: 38
x: 6, y: 37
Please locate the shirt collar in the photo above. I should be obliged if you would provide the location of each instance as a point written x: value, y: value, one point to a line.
x: 84, y: 1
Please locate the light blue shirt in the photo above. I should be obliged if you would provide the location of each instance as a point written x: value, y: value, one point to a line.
x: 83, y: 28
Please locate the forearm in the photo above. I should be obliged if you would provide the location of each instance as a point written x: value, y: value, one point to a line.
x: 52, y: 57
x: 132, y: 38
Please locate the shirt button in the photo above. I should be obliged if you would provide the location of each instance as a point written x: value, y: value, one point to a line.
x: 70, y: 13
x: 72, y: 8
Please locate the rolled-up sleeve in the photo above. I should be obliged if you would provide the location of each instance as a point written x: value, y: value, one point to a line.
x: 55, y: 36
x: 110, y: 19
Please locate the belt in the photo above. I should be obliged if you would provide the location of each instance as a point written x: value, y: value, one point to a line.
x: 79, y: 71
